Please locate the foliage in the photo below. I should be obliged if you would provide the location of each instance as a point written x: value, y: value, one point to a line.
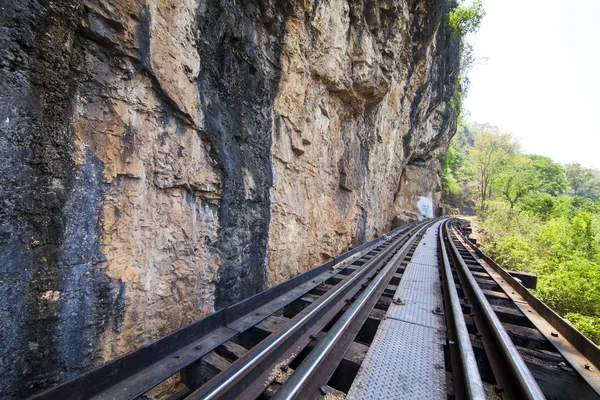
x: 449, y: 183
x: 519, y: 180
x: 559, y: 240
x: 462, y: 84
x: 550, y: 176
x: 483, y: 164
x: 583, y: 182
x: 463, y: 20
x: 453, y: 173
x: 589, y: 326
x: 530, y: 173
x: 535, y: 216
x: 572, y: 287
x: 544, y: 205
x: 487, y: 159
x: 466, y: 19
x: 503, y: 236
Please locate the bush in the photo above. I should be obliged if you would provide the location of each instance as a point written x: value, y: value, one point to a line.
x: 589, y: 326
x: 527, y: 223
x: 557, y: 238
x: 466, y: 19
x: 571, y: 287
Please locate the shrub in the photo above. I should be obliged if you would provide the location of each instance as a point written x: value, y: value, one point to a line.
x: 572, y: 287
x: 558, y: 239
x: 589, y: 326
x: 465, y: 19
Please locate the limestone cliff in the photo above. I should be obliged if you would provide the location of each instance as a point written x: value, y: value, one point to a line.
x: 160, y: 159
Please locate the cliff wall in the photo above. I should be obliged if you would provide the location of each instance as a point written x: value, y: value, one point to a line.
x: 161, y: 159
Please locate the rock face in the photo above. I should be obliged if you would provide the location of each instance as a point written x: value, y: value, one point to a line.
x: 161, y: 159
x: 363, y: 92
x: 420, y: 189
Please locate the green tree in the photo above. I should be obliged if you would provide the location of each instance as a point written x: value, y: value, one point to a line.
x: 537, y: 216
x: 453, y: 158
x: 546, y: 206
x: 517, y: 179
x: 456, y: 193
x: 550, y: 175
x: 578, y: 177
x: 488, y: 157
x: 583, y: 182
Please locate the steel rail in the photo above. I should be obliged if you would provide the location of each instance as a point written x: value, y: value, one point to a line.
x: 578, y: 350
x: 137, y: 372
x: 473, y: 383
x: 294, y: 386
x: 526, y: 385
x: 231, y: 376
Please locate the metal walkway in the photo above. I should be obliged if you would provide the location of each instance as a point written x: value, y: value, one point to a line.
x: 406, y: 358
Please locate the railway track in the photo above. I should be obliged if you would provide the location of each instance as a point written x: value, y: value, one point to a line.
x: 321, y: 335
x: 523, y: 349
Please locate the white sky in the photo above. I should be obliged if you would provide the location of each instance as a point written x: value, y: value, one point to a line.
x: 541, y: 80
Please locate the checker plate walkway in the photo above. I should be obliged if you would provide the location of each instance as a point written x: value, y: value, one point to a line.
x: 406, y: 358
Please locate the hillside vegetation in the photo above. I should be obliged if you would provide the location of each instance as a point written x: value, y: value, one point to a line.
x: 536, y: 216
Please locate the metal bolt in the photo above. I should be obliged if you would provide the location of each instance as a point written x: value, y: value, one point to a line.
x: 284, y: 368
x: 587, y: 366
x: 323, y: 390
x: 313, y: 337
x: 198, y: 347
x: 554, y: 334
